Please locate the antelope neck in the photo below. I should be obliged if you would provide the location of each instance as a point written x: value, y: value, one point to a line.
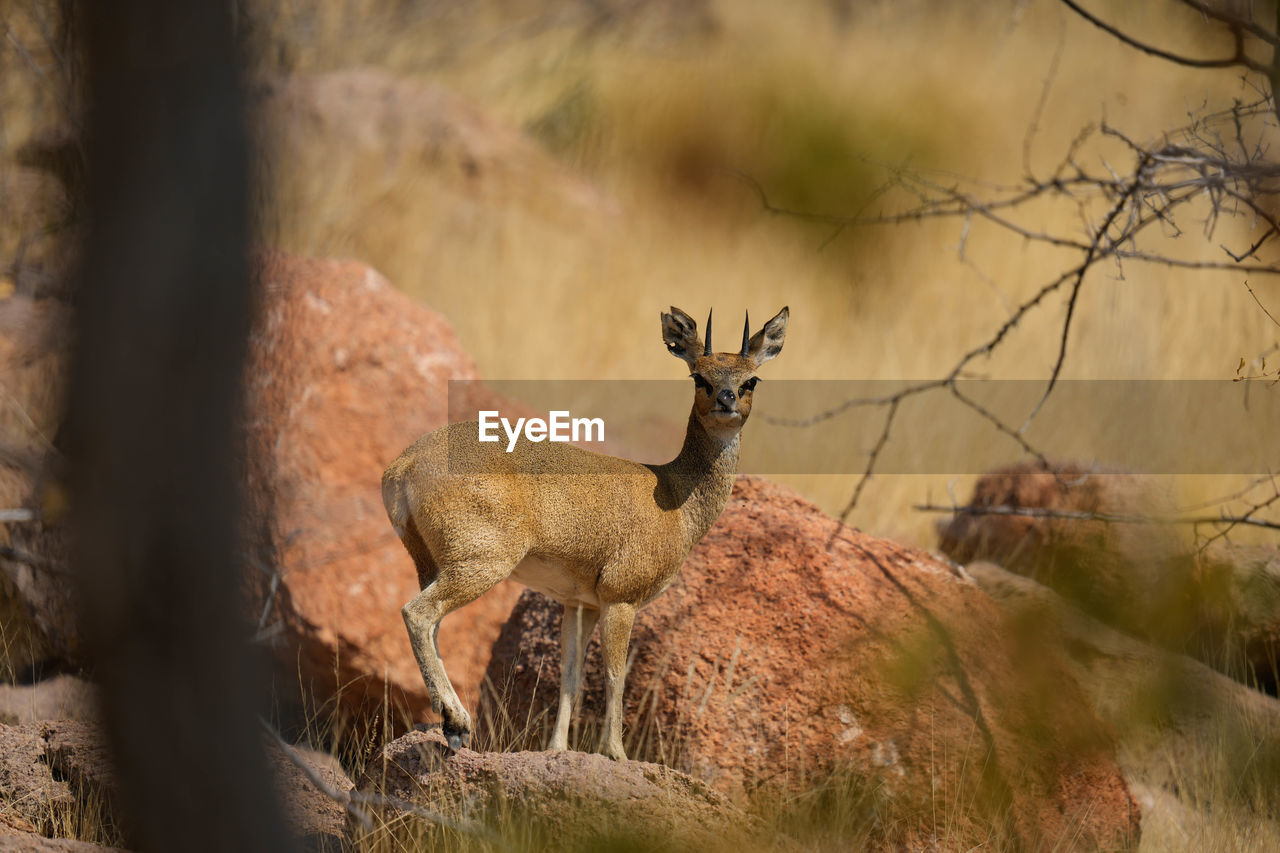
x: 701, y: 476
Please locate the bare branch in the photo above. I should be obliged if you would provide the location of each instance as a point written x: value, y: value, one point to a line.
x: 870, y: 469
x: 1248, y: 518
x: 1234, y: 21
x: 1180, y: 263
x: 1260, y: 305
x: 1252, y: 250
x: 340, y: 797
x: 1033, y: 126
x: 1041, y: 512
x: 1219, y: 158
x: 1238, y: 58
x: 1106, y: 517
x: 1000, y: 425
x: 18, y: 555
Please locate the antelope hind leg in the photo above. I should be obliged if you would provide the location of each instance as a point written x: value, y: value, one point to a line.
x: 615, y: 635
x: 576, y: 627
x: 449, y: 591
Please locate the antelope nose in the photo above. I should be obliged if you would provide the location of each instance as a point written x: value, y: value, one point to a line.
x: 726, y: 399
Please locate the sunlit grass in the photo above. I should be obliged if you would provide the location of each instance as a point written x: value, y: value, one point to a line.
x: 815, y: 111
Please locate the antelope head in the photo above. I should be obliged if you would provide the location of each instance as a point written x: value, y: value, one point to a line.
x: 723, y: 381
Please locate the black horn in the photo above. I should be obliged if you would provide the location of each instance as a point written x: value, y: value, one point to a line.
x: 706, y: 348
x: 746, y: 335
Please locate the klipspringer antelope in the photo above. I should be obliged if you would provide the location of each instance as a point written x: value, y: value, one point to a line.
x: 602, y: 535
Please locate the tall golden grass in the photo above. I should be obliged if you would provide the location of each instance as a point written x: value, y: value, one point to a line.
x: 815, y: 109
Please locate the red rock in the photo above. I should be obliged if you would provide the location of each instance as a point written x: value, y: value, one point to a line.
x: 775, y: 661
x: 28, y: 842
x: 345, y: 372
x: 37, y: 619
x: 1220, y: 605
x: 1134, y: 575
x: 567, y: 800
x: 29, y: 793
x: 63, y: 697
x: 316, y: 815
x: 51, y: 771
x: 54, y: 776
x: 1239, y: 591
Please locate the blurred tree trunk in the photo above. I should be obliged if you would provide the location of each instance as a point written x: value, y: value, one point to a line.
x: 162, y: 317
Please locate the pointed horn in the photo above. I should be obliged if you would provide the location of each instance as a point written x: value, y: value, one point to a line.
x: 706, y: 349
x: 746, y: 335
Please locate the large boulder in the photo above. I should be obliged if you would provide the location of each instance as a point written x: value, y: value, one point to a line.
x: 1239, y: 588
x: 314, y: 789
x: 37, y: 624
x: 792, y: 649
x: 1104, y: 541
x: 1197, y: 748
x: 1086, y: 532
x: 31, y: 798
x: 63, y: 697
x: 30, y: 842
x: 56, y: 780
x: 560, y: 800
x: 345, y: 372
x: 58, y: 775
x: 77, y: 751
x: 39, y: 633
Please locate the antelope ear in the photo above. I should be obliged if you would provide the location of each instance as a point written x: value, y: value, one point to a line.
x: 767, y: 343
x: 680, y: 334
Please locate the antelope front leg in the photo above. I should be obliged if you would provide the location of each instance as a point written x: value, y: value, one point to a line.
x: 575, y: 630
x: 615, y: 630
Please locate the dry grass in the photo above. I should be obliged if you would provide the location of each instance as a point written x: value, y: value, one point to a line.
x: 1219, y: 795
x: 651, y: 106
x: 814, y: 110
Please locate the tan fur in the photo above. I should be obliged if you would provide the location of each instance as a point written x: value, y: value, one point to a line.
x: 602, y: 535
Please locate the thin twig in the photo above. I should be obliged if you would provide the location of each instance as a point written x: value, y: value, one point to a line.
x: 1076, y: 285
x: 1033, y: 127
x: 342, y: 798
x: 1226, y: 17
x: 1260, y: 305
x: 8, y: 516
x: 870, y: 469
x: 18, y: 555
x: 1188, y: 164
x: 1107, y: 517
x: 1237, y: 58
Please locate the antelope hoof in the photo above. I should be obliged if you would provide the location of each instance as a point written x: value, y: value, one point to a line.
x: 457, y: 738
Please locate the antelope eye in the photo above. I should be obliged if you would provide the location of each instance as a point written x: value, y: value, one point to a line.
x: 699, y: 382
x: 748, y: 386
